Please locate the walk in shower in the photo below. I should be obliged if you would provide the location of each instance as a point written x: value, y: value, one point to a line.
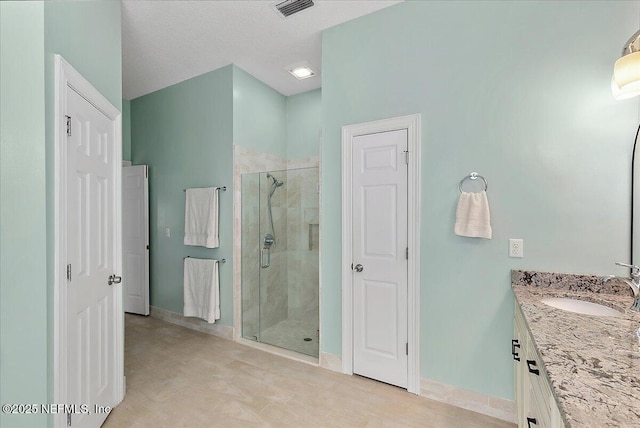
x: 280, y: 266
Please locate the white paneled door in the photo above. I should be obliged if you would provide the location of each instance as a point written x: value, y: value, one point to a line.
x: 379, y: 199
x: 135, y: 238
x: 92, y: 252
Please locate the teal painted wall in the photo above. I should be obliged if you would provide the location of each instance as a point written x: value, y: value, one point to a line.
x: 126, y: 129
x: 505, y: 89
x: 87, y: 36
x: 303, y: 124
x: 259, y: 115
x: 23, y: 257
x: 185, y: 134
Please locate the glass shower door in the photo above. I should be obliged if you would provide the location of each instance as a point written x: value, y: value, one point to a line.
x: 280, y: 249
x: 274, y: 293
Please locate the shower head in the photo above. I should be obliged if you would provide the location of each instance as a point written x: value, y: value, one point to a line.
x: 277, y: 182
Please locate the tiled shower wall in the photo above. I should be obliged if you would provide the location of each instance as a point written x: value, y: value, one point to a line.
x: 290, y: 288
x: 250, y: 255
x: 302, y: 243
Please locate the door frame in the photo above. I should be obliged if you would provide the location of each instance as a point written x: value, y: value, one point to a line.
x: 412, y: 123
x: 145, y: 202
x: 67, y: 76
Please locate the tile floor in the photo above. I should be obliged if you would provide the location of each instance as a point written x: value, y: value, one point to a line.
x: 178, y: 377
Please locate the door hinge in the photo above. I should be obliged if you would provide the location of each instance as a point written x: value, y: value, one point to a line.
x: 68, y: 126
x: 407, y: 348
x: 406, y: 254
x: 69, y: 272
x: 406, y: 157
x: 69, y: 419
x: 146, y: 171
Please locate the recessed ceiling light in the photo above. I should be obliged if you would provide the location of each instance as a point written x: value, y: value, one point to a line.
x: 301, y: 71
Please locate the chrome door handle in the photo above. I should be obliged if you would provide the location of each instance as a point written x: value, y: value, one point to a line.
x: 114, y: 279
x: 265, y: 263
x: 358, y: 268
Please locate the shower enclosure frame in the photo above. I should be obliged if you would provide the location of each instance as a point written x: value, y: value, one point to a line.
x: 280, y: 287
x: 250, y: 161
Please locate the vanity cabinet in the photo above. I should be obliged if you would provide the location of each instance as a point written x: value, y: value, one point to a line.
x: 537, y: 407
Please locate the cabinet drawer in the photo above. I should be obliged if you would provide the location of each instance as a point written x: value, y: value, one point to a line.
x: 539, y: 391
x: 539, y: 408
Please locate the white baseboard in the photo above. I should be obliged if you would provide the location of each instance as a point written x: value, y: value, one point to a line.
x: 219, y: 330
x: 331, y: 362
x: 491, y: 406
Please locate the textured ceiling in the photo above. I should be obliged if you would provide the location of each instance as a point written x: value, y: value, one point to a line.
x: 166, y: 42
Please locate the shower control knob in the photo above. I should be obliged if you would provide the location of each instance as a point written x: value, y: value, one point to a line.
x: 358, y: 268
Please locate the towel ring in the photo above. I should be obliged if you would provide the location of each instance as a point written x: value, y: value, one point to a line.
x: 473, y: 176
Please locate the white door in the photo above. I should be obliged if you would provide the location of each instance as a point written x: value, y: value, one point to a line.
x: 135, y: 243
x: 379, y: 256
x: 92, y: 257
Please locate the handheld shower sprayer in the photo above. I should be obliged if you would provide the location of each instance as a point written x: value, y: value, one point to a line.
x: 270, y: 238
x: 277, y: 182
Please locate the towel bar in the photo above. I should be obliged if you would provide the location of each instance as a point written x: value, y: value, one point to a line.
x: 473, y: 176
x: 223, y: 188
x: 219, y: 261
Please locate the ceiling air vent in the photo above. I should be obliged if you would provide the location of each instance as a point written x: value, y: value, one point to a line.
x: 290, y: 7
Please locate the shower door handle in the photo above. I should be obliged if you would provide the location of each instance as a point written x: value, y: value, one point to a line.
x: 265, y: 257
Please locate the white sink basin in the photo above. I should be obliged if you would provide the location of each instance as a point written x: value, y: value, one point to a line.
x: 581, y: 307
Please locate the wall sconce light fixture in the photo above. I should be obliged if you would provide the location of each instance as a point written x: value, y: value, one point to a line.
x: 625, y: 82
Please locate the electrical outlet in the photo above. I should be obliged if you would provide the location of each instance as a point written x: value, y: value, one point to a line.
x: 516, y: 248
x: 167, y: 233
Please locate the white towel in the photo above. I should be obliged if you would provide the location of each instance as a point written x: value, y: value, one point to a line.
x: 472, y: 216
x: 201, y: 217
x: 201, y: 289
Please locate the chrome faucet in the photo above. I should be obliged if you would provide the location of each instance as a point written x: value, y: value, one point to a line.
x: 633, y: 281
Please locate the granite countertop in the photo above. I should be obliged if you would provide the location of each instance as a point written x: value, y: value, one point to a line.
x: 593, y: 362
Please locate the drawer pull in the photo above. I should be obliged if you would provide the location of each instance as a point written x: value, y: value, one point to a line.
x: 534, y: 370
x: 530, y: 421
x: 515, y: 344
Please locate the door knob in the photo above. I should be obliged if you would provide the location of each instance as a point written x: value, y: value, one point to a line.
x: 114, y: 279
x: 358, y: 268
